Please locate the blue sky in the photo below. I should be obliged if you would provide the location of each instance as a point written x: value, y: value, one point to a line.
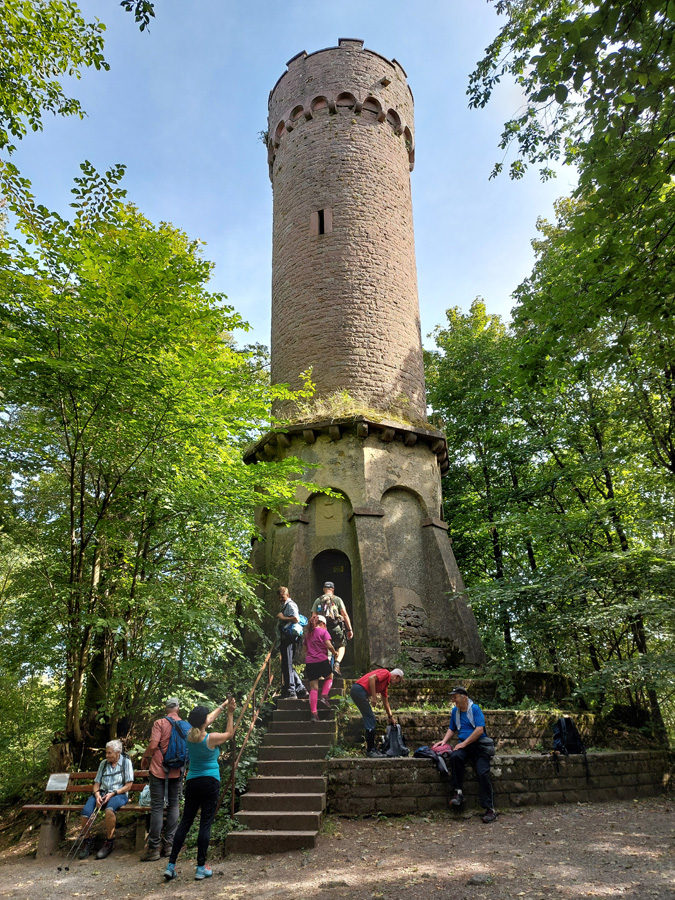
x: 183, y: 106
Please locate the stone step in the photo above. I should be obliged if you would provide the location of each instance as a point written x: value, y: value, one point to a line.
x: 301, y: 726
x: 307, y: 820
x: 298, y: 753
x: 297, y: 739
x: 269, y: 841
x: 301, y: 715
x: 255, y: 802
x: 291, y: 766
x: 295, y: 703
x: 290, y: 784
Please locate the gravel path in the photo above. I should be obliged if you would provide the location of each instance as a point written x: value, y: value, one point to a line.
x: 607, y: 850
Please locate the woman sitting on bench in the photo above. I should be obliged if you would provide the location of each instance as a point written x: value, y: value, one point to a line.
x: 113, y: 781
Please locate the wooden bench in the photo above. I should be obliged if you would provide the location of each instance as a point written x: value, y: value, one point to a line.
x: 52, y: 829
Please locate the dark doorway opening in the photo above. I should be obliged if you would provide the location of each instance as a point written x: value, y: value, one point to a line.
x: 334, y: 565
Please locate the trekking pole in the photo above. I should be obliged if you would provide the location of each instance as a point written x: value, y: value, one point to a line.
x: 83, y: 835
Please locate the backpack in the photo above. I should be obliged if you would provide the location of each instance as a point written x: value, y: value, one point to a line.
x: 566, y: 741
x: 176, y: 755
x: 295, y: 630
x: 393, y: 743
x: 566, y: 738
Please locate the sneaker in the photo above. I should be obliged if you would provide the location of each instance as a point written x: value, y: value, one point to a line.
x: 151, y: 854
x: 170, y: 871
x: 315, y: 717
x: 490, y: 816
x: 203, y: 872
x: 87, y: 848
x: 457, y: 799
x: 105, y: 850
x: 376, y: 754
x: 325, y: 702
x: 302, y: 695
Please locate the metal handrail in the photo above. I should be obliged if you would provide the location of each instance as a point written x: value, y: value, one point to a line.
x: 256, y: 712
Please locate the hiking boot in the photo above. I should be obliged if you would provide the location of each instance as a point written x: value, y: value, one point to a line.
x: 87, y: 848
x: 376, y: 754
x: 203, y: 872
x: 151, y: 854
x: 490, y: 816
x: 170, y: 871
x: 302, y: 695
x: 166, y: 849
x: 457, y: 799
x: 325, y: 702
x: 105, y: 850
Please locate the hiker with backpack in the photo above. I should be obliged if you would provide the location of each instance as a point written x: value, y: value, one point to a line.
x: 202, y: 785
x: 289, y: 640
x: 467, y: 723
x: 114, y: 778
x: 166, y: 756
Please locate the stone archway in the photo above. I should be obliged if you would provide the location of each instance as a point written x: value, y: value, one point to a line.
x: 334, y: 565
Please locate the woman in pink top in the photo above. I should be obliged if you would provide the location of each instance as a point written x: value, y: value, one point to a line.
x: 317, y: 663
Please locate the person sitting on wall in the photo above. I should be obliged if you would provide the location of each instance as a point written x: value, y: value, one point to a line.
x: 365, y: 692
x: 337, y: 621
x: 112, y: 784
x: 467, y: 723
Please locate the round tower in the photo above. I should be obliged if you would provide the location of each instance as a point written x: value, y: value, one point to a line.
x: 344, y: 282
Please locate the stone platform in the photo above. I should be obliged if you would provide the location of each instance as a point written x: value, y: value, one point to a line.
x: 360, y: 786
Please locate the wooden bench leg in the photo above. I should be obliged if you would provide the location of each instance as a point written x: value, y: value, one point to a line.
x: 51, y: 833
x: 141, y: 831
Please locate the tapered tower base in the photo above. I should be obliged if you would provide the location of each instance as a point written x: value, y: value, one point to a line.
x: 380, y: 540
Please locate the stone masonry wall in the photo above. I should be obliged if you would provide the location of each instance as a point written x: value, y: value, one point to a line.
x: 398, y: 786
x: 344, y: 302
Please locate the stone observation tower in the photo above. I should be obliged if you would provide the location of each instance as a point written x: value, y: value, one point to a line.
x: 341, y: 147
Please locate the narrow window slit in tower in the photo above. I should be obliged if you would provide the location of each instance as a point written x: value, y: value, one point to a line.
x: 322, y: 224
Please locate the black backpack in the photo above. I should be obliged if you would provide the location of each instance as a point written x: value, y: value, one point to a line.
x: 566, y: 738
x: 566, y: 742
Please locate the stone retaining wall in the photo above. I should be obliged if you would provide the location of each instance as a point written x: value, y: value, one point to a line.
x: 396, y: 786
x: 512, y: 730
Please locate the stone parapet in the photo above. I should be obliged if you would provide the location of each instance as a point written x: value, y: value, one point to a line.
x: 398, y: 786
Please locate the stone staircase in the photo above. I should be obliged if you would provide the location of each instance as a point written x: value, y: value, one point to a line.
x: 286, y: 801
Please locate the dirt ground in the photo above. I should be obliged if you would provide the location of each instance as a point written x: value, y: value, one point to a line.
x: 608, y: 850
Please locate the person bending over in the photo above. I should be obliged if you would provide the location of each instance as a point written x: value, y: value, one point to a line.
x: 365, y: 692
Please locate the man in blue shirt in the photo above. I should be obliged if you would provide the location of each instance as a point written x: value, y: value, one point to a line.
x: 467, y: 723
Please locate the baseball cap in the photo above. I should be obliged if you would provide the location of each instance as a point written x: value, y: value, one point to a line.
x: 460, y: 690
x: 171, y: 702
x: 198, y: 716
x: 329, y: 584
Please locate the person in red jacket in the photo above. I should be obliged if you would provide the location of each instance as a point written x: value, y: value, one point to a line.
x: 365, y: 694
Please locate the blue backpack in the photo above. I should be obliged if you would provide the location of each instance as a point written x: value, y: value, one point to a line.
x: 177, y: 753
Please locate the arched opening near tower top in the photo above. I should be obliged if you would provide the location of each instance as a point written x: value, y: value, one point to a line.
x: 334, y: 565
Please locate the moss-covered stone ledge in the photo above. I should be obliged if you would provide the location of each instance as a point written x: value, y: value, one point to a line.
x: 396, y: 786
x: 512, y: 730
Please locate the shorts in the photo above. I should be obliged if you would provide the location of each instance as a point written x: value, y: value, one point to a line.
x: 337, y: 634
x: 316, y: 670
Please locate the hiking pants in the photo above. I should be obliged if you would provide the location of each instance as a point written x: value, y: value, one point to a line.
x: 157, y: 811
x: 290, y: 680
x: 361, y: 697
x: 481, y: 763
x: 200, y: 793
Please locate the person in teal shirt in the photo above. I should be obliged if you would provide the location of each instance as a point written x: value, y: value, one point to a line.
x: 202, y: 785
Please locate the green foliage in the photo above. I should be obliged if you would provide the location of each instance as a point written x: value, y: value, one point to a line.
x: 126, y: 409
x: 42, y: 40
x: 559, y: 518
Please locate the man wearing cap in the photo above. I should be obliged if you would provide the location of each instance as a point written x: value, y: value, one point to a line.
x: 337, y: 620
x: 467, y: 723
x: 162, y: 782
x: 364, y: 692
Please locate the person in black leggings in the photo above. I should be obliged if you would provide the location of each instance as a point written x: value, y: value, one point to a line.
x: 202, y: 785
